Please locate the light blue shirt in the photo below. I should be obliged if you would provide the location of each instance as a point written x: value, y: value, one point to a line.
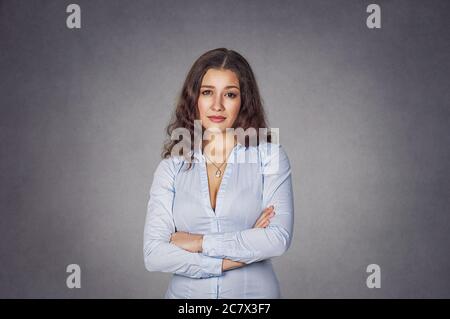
x: 255, y: 177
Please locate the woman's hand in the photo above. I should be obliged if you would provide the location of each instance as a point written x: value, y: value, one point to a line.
x: 228, y: 264
x: 193, y: 242
x: 264, y: 220
x: 187, y: 241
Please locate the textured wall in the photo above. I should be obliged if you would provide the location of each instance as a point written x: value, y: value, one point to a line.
x: 363, y: 115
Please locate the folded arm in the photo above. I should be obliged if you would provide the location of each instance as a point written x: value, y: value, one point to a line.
x: 256, y: 244
x: 159, y: 253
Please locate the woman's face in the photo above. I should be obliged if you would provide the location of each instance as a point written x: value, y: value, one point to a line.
x: 220, y: 97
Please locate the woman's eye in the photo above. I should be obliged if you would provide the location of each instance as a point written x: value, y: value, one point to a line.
x: 232, y: 95
x: 207, y: 92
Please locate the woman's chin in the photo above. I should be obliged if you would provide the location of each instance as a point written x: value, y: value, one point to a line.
x: 216, y: 127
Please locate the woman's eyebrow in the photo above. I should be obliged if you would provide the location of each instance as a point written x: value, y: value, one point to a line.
x: 227, y: 87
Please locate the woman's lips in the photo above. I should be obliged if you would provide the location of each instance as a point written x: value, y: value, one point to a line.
x: 217, y: 119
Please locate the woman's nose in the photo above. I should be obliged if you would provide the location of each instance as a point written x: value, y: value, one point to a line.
x: 217, y: 106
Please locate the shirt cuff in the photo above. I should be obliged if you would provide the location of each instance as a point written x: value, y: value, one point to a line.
x: 212, y: 266
x: 211, y: 244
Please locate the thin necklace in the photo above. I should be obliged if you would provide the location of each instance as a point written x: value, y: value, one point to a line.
x: 218, y: 172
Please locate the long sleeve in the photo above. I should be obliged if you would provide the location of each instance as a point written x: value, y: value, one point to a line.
x: 159, y: 253
x: 256, y: 244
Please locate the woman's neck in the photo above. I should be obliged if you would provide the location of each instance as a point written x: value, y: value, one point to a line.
x: 219, y: 147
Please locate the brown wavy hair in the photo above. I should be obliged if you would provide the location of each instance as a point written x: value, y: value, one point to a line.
x: 251, y: 113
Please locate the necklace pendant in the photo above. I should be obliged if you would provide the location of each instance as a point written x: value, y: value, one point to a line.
x: 218, y: 173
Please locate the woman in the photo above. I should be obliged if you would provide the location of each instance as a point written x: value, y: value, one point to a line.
x: 220, y: 209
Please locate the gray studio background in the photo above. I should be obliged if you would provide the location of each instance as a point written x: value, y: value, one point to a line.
x: 363, y: 115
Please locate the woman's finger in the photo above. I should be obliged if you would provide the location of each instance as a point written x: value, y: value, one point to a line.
x: 266, y: 212
x: 260, y: 219
x: 264, y: 221
x: 259, y: 224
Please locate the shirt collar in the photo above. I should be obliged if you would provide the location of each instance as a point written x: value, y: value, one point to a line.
x: 198, y: 155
